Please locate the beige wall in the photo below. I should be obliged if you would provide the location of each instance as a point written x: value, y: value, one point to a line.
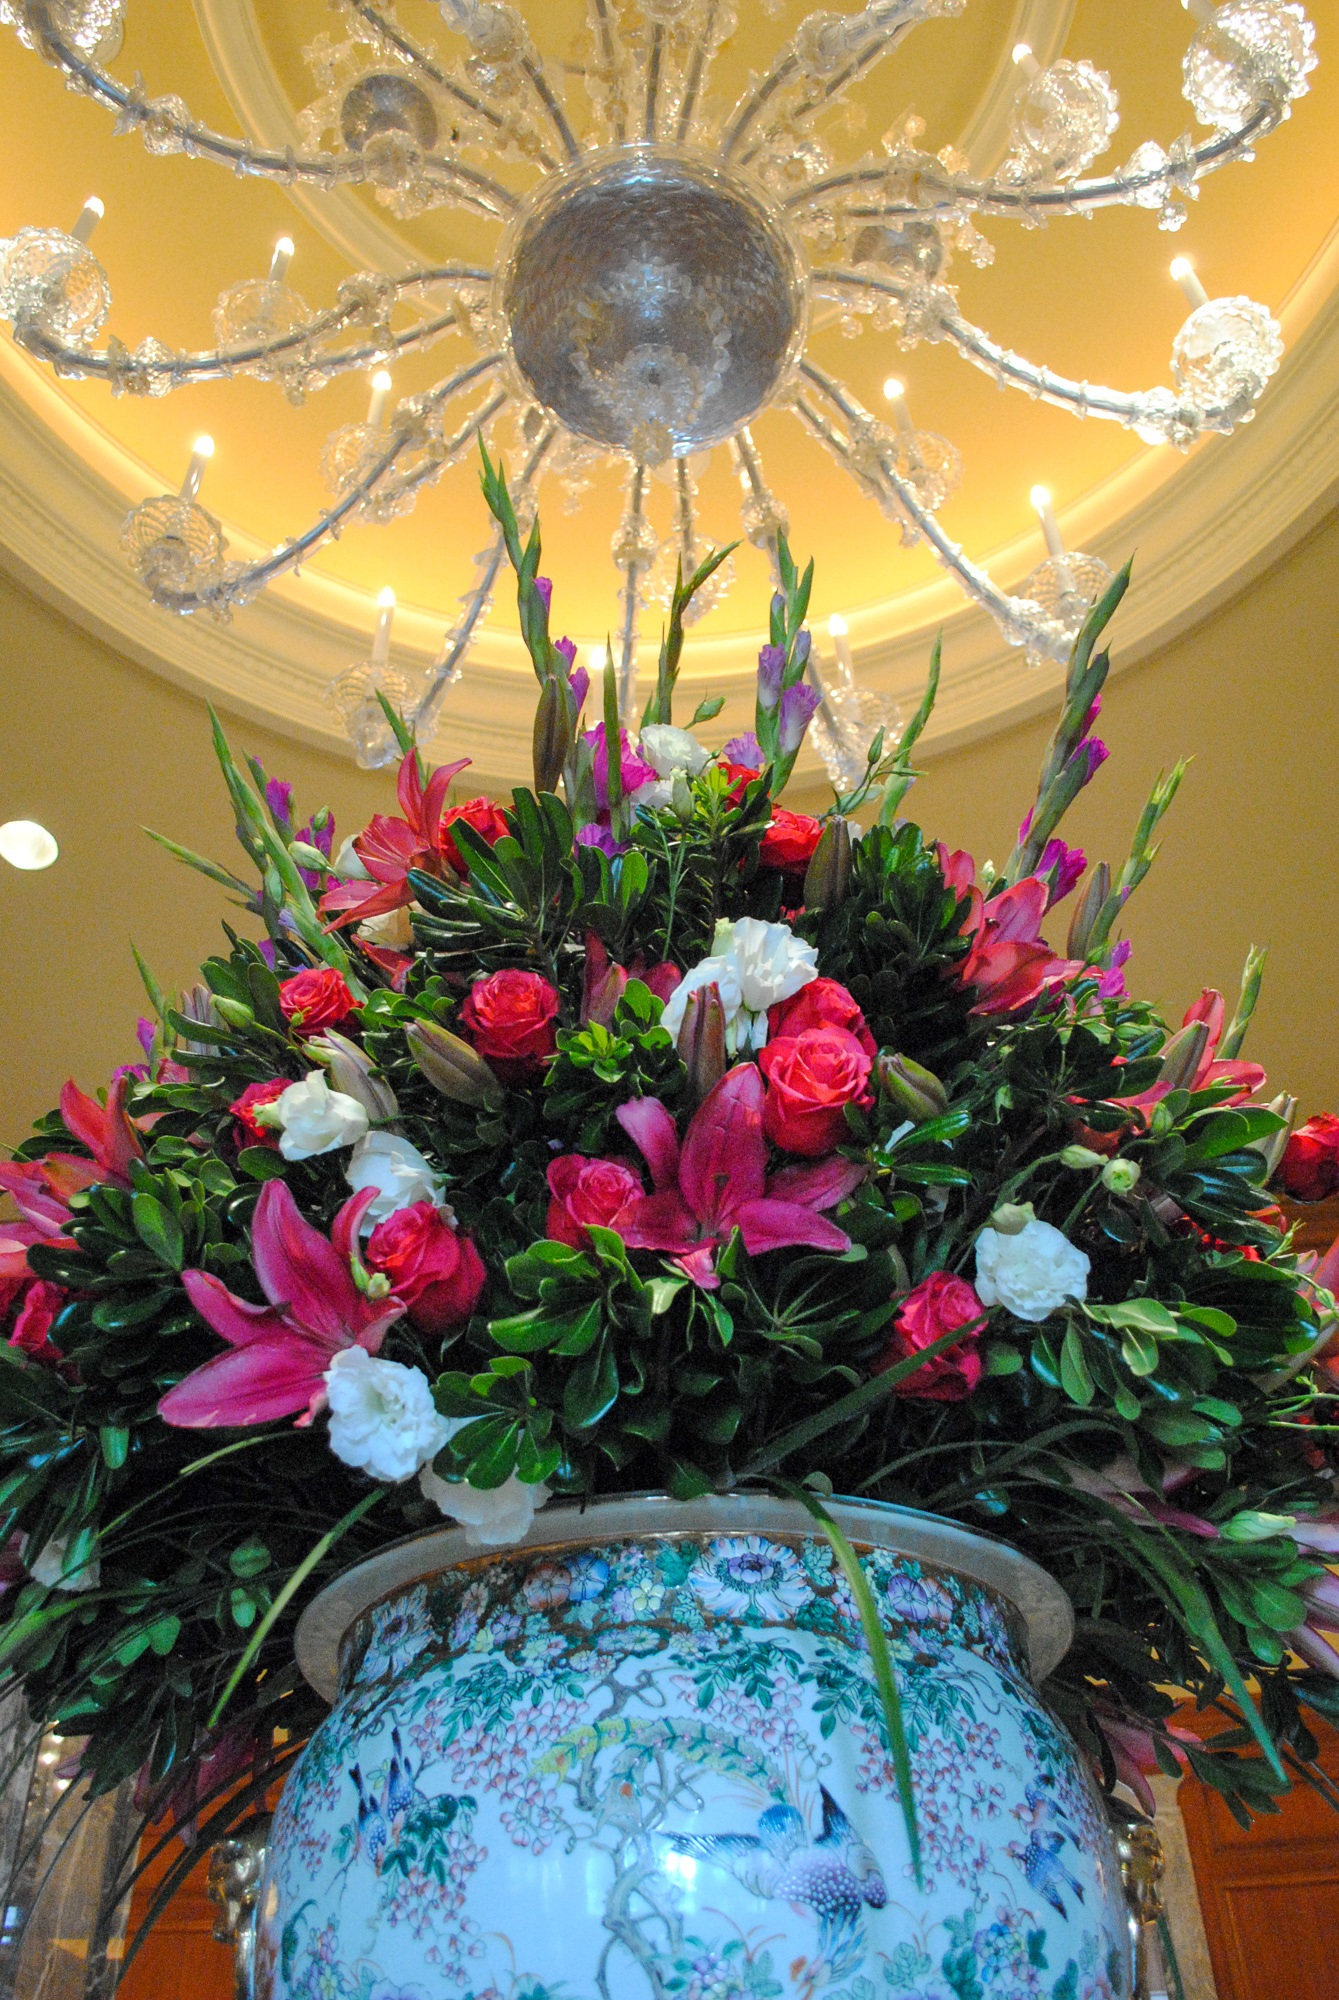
x: 95, y: 748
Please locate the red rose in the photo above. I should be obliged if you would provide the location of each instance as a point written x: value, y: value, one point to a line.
x: 587, y: 1191
x: 741, y: 776
x: 486, y: 820
x: 36, y: 1316
x: 437, y: 1273
x: 790, y: 840
x: 811, y: 1077
x: 509, y: 1018
x: 245, y: 1107
x: 1309, y: 1169
x: 823, y: 1003
x: 938, y: 1304
x: 315, y: 1000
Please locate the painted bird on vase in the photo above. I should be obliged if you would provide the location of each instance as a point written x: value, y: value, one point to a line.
x: 380, y: 1819
x: 1045, y: 1871
x: 831, y: 1878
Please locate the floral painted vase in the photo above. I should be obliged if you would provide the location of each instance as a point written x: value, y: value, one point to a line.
x: 641, y: 1755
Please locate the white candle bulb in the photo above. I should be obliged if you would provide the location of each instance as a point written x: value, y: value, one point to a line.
x: 841, y: 644
x: 1041, y: 500
x: 90, y: 215
x: 376, y: 409
x: 897, y: 397
x: 201, y: 453
x: 280, y: 261
x: 27, y: 845
x: 1184, y: 273
x: 599, y: 660
x: 1202, y: 10
x: 1025, y: 59
x: 381, y: 643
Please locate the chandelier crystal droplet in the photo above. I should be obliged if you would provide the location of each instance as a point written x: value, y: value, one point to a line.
x: 660, y: 257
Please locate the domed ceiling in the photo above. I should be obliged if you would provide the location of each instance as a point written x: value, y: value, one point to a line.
x: 1091, y: 298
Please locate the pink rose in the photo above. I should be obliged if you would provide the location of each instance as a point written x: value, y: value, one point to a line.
x: 509, y: 1018
x: 585, y: 1192
x: 811, y: 1078
x: 315, y: 1000
x: 437, y: 1273
x: 934, y: 1307
x: 823, y: 1003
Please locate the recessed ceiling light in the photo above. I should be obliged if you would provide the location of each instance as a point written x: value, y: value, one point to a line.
x: 25, y: 844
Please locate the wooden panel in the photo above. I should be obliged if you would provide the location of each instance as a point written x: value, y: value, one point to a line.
x: 1269, y: 1894
x: 179, y: 1958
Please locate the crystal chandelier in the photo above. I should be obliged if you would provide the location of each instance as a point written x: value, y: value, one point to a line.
x: 660, y: 259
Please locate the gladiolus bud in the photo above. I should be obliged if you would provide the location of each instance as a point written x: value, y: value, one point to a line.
x: 1076, y: 1158
x: 1011, y: 1218
x: 911, y: 1089
x: 235, y: 1013
x: 452, y: 1067
x: 1272, y: 1148
x: 553, y: 735
x: 681, y: 797
x: 274, y: 885
x: 351, y: 1073
x: 1121, y: 1176
x: 1182, y: 1056
x: 308, y: 856
x: 829, y: 872
x: 701, y: 1041
x: 1085, y: 916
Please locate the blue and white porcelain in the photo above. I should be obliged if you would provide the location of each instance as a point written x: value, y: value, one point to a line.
x: 641, y: 1757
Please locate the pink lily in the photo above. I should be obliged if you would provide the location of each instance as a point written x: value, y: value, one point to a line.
x: 718, y: 1182
x: 1132, y: 1752
x: 281, y: 1351
x: 388, y: 848
x: 1123, y: 1486
x: 1247, y: 1077
x: 105, y: 1129
x: 605, y: 982
x: 1010, y: 962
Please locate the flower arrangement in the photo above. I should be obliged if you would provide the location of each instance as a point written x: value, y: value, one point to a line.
x: 644, y: 1133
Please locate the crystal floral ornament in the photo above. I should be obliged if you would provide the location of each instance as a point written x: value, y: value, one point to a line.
x: 631, y: 267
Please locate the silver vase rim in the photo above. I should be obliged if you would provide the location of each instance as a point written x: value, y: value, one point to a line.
x: 1030, y: 1590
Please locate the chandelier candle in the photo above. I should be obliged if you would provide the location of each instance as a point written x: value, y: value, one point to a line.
x: 376, y: 409
x: 381, y: 638
x: 1183, y: 271
x: 90, y: 215
x: 201, y: 453
x: 281, y: 259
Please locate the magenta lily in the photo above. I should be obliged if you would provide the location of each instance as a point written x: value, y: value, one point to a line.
x: 281, y: 1351
x: 717, y: 1182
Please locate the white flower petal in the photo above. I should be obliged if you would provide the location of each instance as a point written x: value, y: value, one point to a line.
x: 1030, y: 1273
x: 669, y: 750
x: 383, y: 1420
x: 397, y: 1170
x: 314, y: 1119
x: 492, y: 1517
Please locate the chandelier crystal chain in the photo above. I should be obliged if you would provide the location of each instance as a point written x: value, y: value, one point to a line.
x: 660, y: 261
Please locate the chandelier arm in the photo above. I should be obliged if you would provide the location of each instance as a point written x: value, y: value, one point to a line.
x: 704, y: 45
x: 605, y: 28
x: 1000, y: 198
x: 419, y: 59
x: 750, y: 465
x: 1181, y: 420
x: 655, y: 59
x: 543, y: 90
x: 634, y: 576
x: 880, y: 45
x: 447, y: 668
x: 892, y: 18
x: 1020, y: 620
x: 213, y: 363
x: 202, y: 142
x: 245, y: 581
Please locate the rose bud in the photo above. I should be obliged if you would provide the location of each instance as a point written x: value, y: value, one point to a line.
x: 452, y: 1066
x: 1085, y: 915
x: 829, y: 872
x: 1182, y: 1055
x: 910, y: 1088
x: 1309, y: 1169
x: 1121, y: 1176
x: 701, y: 1041
x: 552, y: 734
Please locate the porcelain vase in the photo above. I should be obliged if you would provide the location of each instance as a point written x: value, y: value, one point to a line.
x: 640, y: 1756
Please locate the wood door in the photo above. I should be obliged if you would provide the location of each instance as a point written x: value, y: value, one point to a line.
x: 179, y: 1959
x: 1270, y: 1895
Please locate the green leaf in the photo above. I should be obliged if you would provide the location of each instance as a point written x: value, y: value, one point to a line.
x: 115, y: 1442
x: 1139, y: 1351
x: 1075, y: 1376
x: 158, y: 1230
x: 251, y: 1559
x: 261, y: 1163
x: 591, y: 1389
x: 1144, y: 1315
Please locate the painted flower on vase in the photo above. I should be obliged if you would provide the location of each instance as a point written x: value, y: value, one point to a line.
x: 743, y: 1576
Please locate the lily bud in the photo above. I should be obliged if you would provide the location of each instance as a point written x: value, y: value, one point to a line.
x: 828, y: 875
x: 681, y: 797
x: 1272, y: 1148
x: 308, y: 856
x: 914, y: 1091
x: 1076, y: 1158
x: 1121, y: 1176
x: 351, y: 1072
x: 1011, y: 1218
x: 552, y: 735
x: 1085, y: 915
x: 452, y: 1067
x: 235, y: 1013
x: 701, y: 1041
x: 1182, y: 1056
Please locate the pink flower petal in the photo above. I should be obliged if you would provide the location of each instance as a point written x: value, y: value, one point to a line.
x: 820, y: 1185
x: 301, y: 1270
x: 724, y: 1162
x: 275, y: 1378
x: 652, y: 1131
x: 658, y: 1222
x: 235, y: 1320
x: 781, y: 1225
x: 697, y: 1265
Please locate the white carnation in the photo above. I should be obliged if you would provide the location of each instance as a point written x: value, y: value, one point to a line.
x: 1032, y: 1272
x: 668, y: 750
x: 383, y: 1420
x: 754, y: 965
x: 312, y: 1118
x: 491, y: 1516
x: 397, y: 1170
x: 51, y: 1566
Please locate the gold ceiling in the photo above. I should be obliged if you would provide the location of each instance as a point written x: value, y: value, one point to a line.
x: 1092, y: 299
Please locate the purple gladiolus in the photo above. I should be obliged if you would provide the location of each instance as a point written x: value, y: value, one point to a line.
x: 633, y: 770
x: 544, y: 592
x: 1094, y: 752
x: 745, y: 750
x: 279, y: 799
x: 568, y: 649
x: 599, y: 836
x: 579, y: 682
x: 1111, y: 986
x: 771, y: 667
x: 145, y: 1029
x: 1060, y: 868
x: 797, y: 707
